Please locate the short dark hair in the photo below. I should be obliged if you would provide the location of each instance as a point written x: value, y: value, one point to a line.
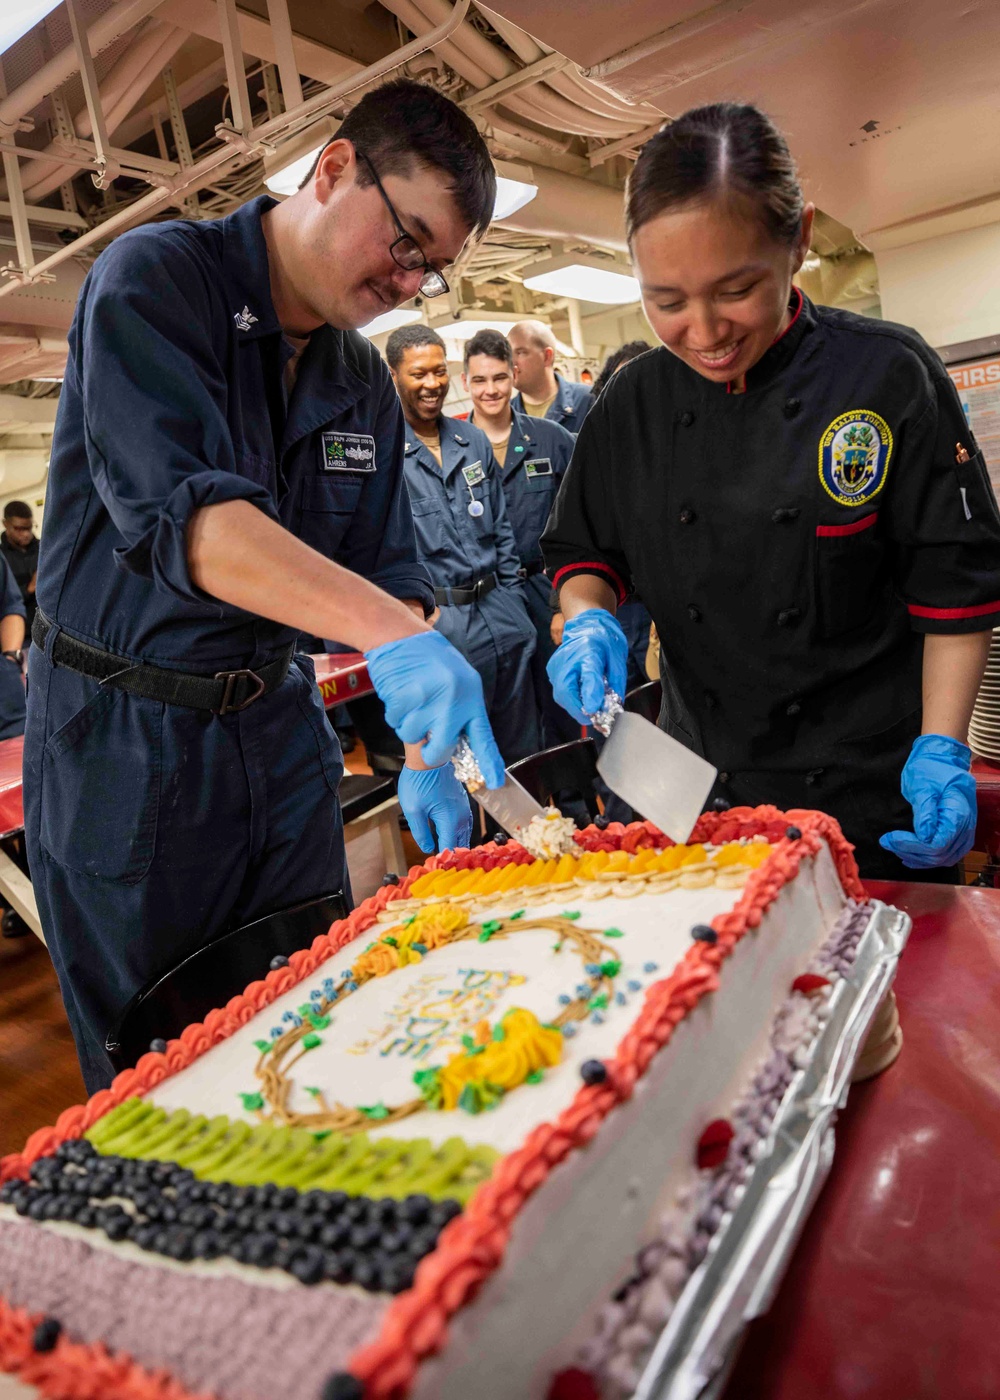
x: 17, y: 510
x: 409, y: 338
x: 402, y: 123
x: 490, y: 343
x: 614, y: 362
x: 725, y: 149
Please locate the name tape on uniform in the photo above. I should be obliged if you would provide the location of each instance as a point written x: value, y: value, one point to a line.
x: 348, y: 452
x: 538, y: 466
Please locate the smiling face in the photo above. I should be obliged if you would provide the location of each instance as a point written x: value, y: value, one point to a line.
x: 489, y: 383
x: 421, y: 380
x: 716, y: 284
x: 342, y: 268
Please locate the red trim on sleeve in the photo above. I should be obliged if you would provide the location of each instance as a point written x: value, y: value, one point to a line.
x: 856, y: 526
x: 592, y: 565
x: 953, y: 614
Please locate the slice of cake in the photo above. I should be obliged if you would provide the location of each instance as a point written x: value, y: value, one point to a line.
x: 472, y: 1142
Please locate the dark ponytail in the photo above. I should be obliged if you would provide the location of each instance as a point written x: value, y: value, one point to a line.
x: 712, y: 152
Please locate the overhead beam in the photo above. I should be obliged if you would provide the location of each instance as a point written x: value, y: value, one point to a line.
x: 236, y: 75
x: 524, y: 77
x: 107, y: 170
x: 15, y: 190
x: 625, y: 146
x: 284, y: 52
x: 48, y: 218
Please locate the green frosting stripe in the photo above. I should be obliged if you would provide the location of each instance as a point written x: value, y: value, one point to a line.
x: 225, y: 1149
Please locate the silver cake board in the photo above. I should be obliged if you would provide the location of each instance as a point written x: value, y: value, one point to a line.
x: 748, y: 1254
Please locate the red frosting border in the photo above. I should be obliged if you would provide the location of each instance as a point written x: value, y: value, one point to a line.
x: 473, y: 1245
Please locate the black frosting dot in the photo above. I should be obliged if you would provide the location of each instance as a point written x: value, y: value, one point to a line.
x: 501, y: 838
x: 391, y: 878
x: 342, y: 1386
x: 279, y: 960
x: 793, y: 833
x: 602, y: 822
x: 46, y: 1334
x: 593, y: 1071
x: 704, y: 933
x: 721, y: 804
x: 158, y: 1046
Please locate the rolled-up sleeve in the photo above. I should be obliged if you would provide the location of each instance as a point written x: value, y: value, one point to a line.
x: 381, y: 544
x: 581, y: 536
x: 150, y: 357
x: 942, y: 522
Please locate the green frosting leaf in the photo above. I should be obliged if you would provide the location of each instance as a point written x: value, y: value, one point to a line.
x: 310, y: 1041
x: 535, y: 1077
x: 613, y: 933
x: 376, y: 1110
x: 611, y: 968
x: 570, y: 914
x: 251, y: 1102
x: 319, y: 1021
x: 263, y: 1046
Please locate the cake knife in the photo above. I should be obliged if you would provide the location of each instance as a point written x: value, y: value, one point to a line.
x: 654, y: 774
x: 512, y: 806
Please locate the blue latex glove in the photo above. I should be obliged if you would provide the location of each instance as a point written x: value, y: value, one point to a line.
x: 592, y: 655
x: 431, y: 692
x: 434, y: 795
x: 942, y: 792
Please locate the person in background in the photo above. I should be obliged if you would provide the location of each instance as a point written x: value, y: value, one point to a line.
x: 19, y: 544
x: 465, y: 540
x: 531, y: 455
x: 541, y: 392
x: 12, y: 615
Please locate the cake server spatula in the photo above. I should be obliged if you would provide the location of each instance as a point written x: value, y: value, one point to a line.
x: 512, y: 806
x: 654, y: 774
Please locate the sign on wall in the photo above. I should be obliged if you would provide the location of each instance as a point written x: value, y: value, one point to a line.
x: 978, y: 385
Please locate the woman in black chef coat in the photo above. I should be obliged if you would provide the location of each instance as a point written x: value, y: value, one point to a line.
x: 794, y: 493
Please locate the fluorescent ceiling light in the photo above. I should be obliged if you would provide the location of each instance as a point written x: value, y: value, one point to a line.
x: 18, y: 16
x: 469, y: 323
x: 288, y: 166
x: 390, y: 321
x: 583, y: 278
x: 515, y: 188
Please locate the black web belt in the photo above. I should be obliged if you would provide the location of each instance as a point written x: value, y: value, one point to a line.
x: 462, y: 597
x: 225, y: 693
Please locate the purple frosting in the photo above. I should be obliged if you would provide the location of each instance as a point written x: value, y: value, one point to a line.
x: 629, y: 1325
x: 218, y: 1333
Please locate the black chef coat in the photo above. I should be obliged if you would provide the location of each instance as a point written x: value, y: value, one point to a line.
x: 793, y: 543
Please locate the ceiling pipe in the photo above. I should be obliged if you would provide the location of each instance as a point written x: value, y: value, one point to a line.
x: 111, y: 25
x: 239, y: 152
x: 568, y: 207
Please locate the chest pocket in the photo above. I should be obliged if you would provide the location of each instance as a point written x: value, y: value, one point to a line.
x: 431, y: 526
x: 328, y: 504
x: 851, y: 574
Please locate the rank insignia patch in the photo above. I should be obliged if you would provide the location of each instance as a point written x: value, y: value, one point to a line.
x: 854, y: 457
x: 348, y: 452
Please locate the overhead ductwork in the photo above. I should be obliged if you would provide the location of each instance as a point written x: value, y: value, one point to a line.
x: 568, y: 207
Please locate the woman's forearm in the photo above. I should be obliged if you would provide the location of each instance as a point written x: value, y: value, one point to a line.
x: 584, y: 591
x: 953, y: 669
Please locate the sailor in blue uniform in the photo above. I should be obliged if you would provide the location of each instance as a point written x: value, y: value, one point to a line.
x: 465, y: 539
x: 12, y: 613
x: 532, y: 455
x: 226, y: 474
x: 541, y: 392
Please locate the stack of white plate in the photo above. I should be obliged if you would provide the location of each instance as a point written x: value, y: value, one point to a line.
x: 984, y: 727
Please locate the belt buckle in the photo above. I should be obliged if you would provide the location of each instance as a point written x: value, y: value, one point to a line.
x: 478, y: 588
x: 231, y: 678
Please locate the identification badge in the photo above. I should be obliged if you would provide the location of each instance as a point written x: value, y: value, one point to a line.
x: 348, y: 452
x: 538, y: 466
x: 474, y: 474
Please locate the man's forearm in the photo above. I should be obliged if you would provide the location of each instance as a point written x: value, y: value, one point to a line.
x: 11, y: 632
x: 953, y: 669
x: 584, y: 591
x: 239, y: 555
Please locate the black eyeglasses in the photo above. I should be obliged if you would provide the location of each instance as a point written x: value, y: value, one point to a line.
x: 405, y: 250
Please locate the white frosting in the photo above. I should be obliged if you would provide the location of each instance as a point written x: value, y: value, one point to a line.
x: 548, y: 836
x: 575, y: 1239
x: 656, y: 929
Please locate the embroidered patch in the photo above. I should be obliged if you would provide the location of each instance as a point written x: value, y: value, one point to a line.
x: 348, y: 452
x: 854, y: 457
x: 538, y: 466
x: 474, y: 474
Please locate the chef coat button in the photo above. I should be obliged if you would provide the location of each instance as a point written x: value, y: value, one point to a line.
x: 686, y: 418
x: 723, y: 778
x: 813, y: 777
x: 784, y: 514
x: 694, y: 613
x: 788, y: 617
x: 711, y: 703
x: 687, y: 517
x: 795, y: 708
x: 792, y: 407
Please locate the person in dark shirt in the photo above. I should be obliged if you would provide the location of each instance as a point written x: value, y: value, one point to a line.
x: 20, y: 549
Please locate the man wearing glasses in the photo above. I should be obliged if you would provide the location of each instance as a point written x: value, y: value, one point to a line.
x: 226, y: 474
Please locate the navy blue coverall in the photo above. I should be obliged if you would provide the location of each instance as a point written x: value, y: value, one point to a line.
x: 11, y: 678
x: 569, y: 408
x: 538, y: 453
x: 151, y: 828
x: 493, y: 633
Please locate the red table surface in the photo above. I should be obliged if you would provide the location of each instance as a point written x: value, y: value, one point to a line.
x: 11, y: 811
x: 894, y: 1290
x: 987, y: 776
